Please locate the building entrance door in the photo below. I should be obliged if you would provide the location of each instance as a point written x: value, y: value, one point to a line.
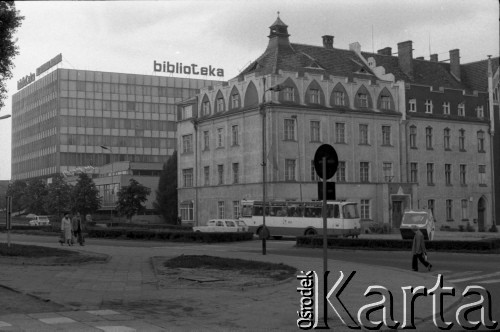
x: 397, y: 213
x: 481, y: 208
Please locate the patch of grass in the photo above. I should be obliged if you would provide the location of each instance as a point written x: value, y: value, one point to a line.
x: 272, y: 270
x: 22, y: 250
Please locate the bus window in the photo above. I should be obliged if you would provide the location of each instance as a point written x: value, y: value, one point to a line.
x: 350, y: 211
x: 294, y: 210
x: 246, y: 211
x: 257, y: 210
x: 312, y: 212
x: 333, y: 211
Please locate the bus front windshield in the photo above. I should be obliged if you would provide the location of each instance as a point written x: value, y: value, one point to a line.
x: 350, y: 211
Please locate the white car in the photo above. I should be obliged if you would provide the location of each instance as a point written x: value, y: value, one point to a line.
x: 39, y: 221
x: 421, y: 219
x: 223, y: 225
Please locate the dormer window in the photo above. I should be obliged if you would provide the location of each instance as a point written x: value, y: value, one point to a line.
x: 187, y: 112
x: 412, y: 105
x: 235, y: 100
x: 220, y: 105
x: 385, y: 102
x: 461, y: 109
x: 339, y: 98
x: 289, y: 94
x: 446, y: 107
x: 428, y: 106
x: 206, y: 108
x: 480, y: 112
x: 314, y: 96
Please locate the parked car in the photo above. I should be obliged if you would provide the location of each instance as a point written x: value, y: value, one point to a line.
x: 39, y: 221
x: 223, y: 225
x: 422, y: 219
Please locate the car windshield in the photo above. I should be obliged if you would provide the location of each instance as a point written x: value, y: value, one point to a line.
x: 241, y: 223
x: 414, y: 219
x: 230, y: 223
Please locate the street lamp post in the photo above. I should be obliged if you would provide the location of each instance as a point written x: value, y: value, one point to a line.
x: 112, y: 181
x: 264, y: 233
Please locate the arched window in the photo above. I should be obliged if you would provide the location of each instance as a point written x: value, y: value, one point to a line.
x: 251, y: 96
x: 339, y: 96
x: 385, y: 100
x: 363, y: 98
x: 314, y: 94
x: 289, y: 92
x: 219, y: 103
x: 205, y: 106
x: 235, y: 99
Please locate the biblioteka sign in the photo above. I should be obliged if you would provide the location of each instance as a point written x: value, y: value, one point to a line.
x: 191, y: 69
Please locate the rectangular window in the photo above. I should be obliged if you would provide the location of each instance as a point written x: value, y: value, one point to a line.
x: 387, y: 168
x: 365, y: 209
x: 385, y: 102
x: 314, y: 96
x: 414, y: 172
x: 187, y: 143
x: 461, y: 109
x: 363, y: 100
x: 206, y: 108
x: 363, y: 134
x: 430, y: 174
x: 236, y: 209
x: 221, y: 210
x: 447, y: 174
x: 461, y: 140
x: 339, y: 98
x: 206, y: 175
x: 412, y: 105
x: 463, y: 174
x: 413, y: 137
x: 482, y: 174
x: 206, y: 140
x: 315, y: 130
x: 480, y: 112
x: 428, y: 138
x: 289, y: 129
x: 386, y: 135
x: 480, y: 141
x: 446, y: 107
x: 449, y: 210
x: 288, y: 94
x: 236, y: 173
x: 428, y: 106
x: 220, y: 104
x: 187, y: 211
x: 465, y: 214
x: 235, y: 135
x: 340, y: 132
x: 290, y: 169
x: 187, y: 176
x: 220, y: 137
x: 341, y: 172
x: 446, y: 139
x: 220, y: 172
x: 314, y: 176
x: 364, y: 171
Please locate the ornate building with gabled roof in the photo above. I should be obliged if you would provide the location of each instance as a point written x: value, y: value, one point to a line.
x: 296, y: 97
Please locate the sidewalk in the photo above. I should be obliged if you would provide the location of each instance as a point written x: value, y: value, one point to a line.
x: 124, y: 294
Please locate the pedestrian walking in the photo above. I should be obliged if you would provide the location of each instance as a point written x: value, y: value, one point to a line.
x: 77, y: 226
x: 66, y: 230
x: 418, y: 250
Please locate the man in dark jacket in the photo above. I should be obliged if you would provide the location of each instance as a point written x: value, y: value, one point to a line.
x: 418, y: 250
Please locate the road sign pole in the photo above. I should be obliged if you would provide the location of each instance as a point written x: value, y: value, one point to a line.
x: 325, y: 244
x: 8, y: 213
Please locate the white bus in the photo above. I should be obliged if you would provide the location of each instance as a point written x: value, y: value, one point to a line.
x: 291, y: 218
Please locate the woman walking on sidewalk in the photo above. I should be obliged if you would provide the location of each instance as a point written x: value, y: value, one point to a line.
x: 66, y: 229
x: 418, y: 250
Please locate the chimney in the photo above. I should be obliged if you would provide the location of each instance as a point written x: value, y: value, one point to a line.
x: 385, y: 51
x: 327, y: 41
x: 419, y: 58
x: 405, y: 57
x: 434, y: 57
x: 455, y: 63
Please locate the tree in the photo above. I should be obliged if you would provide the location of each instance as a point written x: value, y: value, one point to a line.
x: 34, y: 196
x: 58, y: 199
x: 16, y: 189
x: 85, y: 195
x: 10, y: 20
x: 166, y: 194
x: 131, y: 198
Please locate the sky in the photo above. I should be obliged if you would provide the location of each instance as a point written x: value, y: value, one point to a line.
x: 128, y: 36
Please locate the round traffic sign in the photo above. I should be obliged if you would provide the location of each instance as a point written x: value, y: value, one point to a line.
x: 332, y: 161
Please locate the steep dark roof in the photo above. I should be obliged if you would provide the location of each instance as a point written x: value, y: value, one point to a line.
x: 475, y: 74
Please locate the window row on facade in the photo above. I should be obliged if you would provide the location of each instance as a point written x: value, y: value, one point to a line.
x: 447, y: 139
x: 445, y: 108
x: 117, y: 141
x: 116, y: 123
x: 115, y: 105
x: 447, y: 172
